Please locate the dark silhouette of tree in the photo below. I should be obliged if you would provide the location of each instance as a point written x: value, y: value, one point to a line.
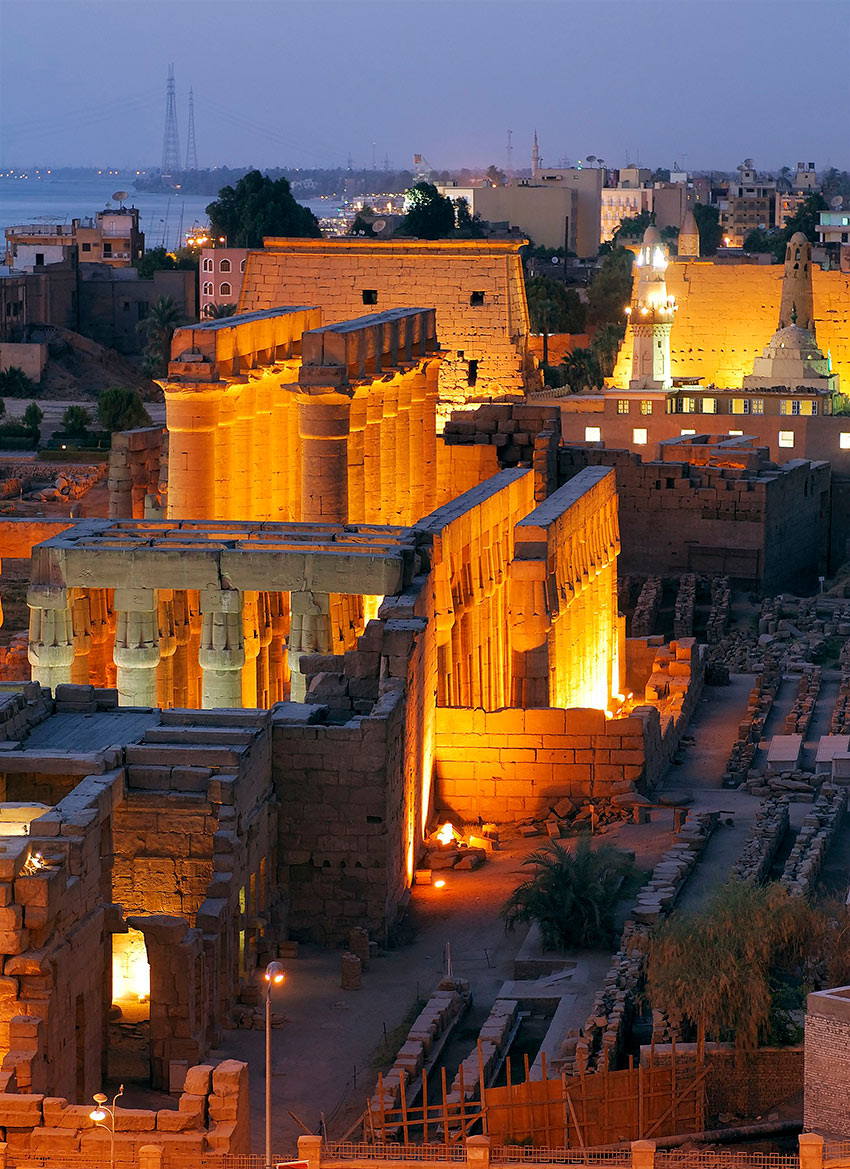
x: 806, y: 217
x: 611, y: 288
x: 161, y: 260
x: 552, y: 308
x: 256, y: 207
x: 606, y: 345
x: 571, y: 895
x: 469, y: 226
x: 159, y: 326
x: 430, y: 215
x: 76, y: 422
x: 121, y: 409
x: 633, y: 227
x: 495, y: 176
x: 33, y: 417
x: 216, y: 312
x: 708, y: 224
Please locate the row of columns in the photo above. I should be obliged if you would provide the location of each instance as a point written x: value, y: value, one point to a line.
x: 266, y: 448
x: 174, y: 648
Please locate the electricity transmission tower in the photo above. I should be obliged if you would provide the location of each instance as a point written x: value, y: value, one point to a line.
x: 171, y: 141
x: 191, y: 151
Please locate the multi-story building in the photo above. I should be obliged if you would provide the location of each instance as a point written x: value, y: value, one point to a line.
x: 221, y: 274
x: 113, y: 237
x: 619, y: 203
x: 750, y: 202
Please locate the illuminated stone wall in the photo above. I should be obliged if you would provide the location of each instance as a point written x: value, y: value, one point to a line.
x: 564, y: 623
x: 727, y: 313
x: 476, y: 287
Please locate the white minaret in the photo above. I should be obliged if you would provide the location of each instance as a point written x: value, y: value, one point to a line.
x: 651, y: 317
x: 535, y: 158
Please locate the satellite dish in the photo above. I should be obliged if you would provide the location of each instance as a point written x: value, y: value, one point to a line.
x: 379, y: 225
x: 120, y: 196
x: 555, y: 260
x: 837, y: 203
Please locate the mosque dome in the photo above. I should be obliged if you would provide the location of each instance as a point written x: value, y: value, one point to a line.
x: 793, y: 338
x: 652, y: 235
x: 799, y: 238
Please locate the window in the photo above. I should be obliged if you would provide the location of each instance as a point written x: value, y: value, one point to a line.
x: 844, y: 440
x: 370, y: 296
x: 224, y: 289
x: 592, y: 434
x: 242, y: 266
x: 208, y: 288
x: 224, y: 265
x: 740, y: 406
x: 689, y: 406
x: 208, y: 264
x: 808, y: 407
x: 685, y: 433
x: 86, y: 247
x: 789, y: 406
x: 107, y: 249
x: 476, y: 298
x: 125, y: 305
x: 472, y: 373
x: 623, y: 406
x: 786, y: 438
x: 142, y: 307
x: 639, y: 436
x: 709, y: 405
x: 646, y: 407
x: 757, y: 405
x: 734, y: 433
x: 39, y: 259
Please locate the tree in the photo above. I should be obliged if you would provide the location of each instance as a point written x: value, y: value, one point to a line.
x: 15, y: 383
x: 633, y: 226
x: 760, y: 240
x: 552, y: 308
x: 76, y: 422
x: 32, y: 419
x: 708, y: 224
x: 806, y: 217
x: 429, y: 215
x: 216, y: 312
x: 161, y: 260
x: 256, y: 207
x: 606, y: 345
x: 495, y: 177
x: 159, y: 326
x: 121, y: 409
x: 582, y: 370
x: 611, y: 288
x: 571, y: 895
x: 726, y: 968
x: 469, y: 226
x: 361, y: 226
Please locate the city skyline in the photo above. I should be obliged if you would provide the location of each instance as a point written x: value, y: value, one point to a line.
x: 699, y: 84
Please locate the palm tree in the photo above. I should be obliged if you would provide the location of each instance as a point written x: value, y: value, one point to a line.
x: 582, y: 370
x: 159, y: 326
x: 215, y: 312
x: 571, y: 895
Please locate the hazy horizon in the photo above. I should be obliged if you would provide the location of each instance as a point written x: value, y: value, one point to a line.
x: 701, y: 83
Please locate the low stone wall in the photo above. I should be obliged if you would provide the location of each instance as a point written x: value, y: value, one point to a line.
x: 763, y: 841
x: 137, y: 461
x: 814, y: 838
x: 826, y: 1104
x: 19, y: 536
x: 30, y: 357
x: 212, y: 1117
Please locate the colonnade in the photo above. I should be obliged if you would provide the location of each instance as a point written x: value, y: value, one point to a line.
x: 187, y: 648
x: 265, y: 447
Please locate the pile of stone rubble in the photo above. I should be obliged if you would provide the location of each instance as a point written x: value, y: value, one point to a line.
x: 814, y: 838
x: 763, y: 841
x: 648, y: 608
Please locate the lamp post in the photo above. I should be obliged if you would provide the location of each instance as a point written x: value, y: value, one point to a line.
x: 274, y: 977
x: 99, y: 1116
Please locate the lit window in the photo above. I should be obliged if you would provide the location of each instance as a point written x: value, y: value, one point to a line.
x: 646, y: 407
x: 808, y: 407
x: 733, y: 433
x: 224, y: 289
x: 786, y: 438
x: 740, y: 406
x: 224, y: 266
x: 709, y: 405
x: 592, y: 434
x: 685, y: 433
x: 757, y: 405
x: 689, y: 406
x: 208, y: 288
x: 844, y: 440
x: 639, y: 436
x: 208, y: 265
x: 622, y: 406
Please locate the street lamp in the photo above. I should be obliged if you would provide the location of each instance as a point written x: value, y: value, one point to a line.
x: 274, y: 977
x: 100, y: 1115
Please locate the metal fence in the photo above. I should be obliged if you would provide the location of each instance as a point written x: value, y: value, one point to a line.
x: 723, y: 1159
x: 522, y: 1155
x: 346, y: 1151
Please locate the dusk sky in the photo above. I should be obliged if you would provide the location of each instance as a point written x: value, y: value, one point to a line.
x: 703, y: 83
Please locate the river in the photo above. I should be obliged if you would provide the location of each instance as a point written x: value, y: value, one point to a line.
x: 164, y: 218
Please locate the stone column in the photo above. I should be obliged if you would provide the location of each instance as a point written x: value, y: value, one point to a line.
x: 100, y: 632
x: 225, y: 457
x: 136, y: 649
x: 51, y: 636
x: 404, y: 471
x: 310, y: 633
x: 262, y: 464
x: 429, y: 434
x: 182, y: 634
x: 389, y: 455
x: 81, y: 618
x: 251, y: 646
x: 167, y: 650
x: 222, y: 650
x: 323, y: 426
x: 192, y: 417
x: 242, y: 470
x: 417, y: 446
x: 372, y: 456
